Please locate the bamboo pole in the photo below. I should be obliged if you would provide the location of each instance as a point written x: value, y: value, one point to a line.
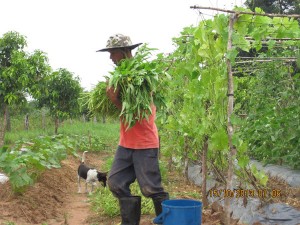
x: 276, y: 39
x: 250, y: 38
x: 249, y: 13
x: 204, y: 172
x: 232, y: 152
x: 265, y: 60
x: 268, y: 58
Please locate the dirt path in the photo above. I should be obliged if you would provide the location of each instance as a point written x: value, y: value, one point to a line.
x: 53, y: 199
x: 78, y: 210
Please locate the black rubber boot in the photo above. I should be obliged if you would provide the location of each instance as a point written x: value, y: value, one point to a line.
x: 157, y: 200
x: 130, y: 210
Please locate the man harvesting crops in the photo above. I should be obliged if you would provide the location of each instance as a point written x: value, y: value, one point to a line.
x: 130, y: 88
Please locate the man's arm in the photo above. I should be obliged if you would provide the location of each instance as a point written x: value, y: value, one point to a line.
x: 113, y: 95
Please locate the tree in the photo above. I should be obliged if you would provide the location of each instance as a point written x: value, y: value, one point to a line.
x: 61, y: 95
x: 20, y: 73
x: 275, y: 6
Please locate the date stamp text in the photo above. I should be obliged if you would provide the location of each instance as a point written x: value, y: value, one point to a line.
x: 242, y: 193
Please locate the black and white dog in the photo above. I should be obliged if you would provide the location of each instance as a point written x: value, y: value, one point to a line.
x: 90, y: 175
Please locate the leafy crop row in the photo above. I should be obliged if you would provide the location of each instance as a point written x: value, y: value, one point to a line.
x: 25, y: 162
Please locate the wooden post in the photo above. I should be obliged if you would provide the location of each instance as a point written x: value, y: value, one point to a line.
x: 186, y: 158
x: 232, y: 152
x: 26, y: 122
x: 204, y: 172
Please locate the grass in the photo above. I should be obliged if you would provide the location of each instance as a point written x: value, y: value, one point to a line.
x: 10, y: 223
x: 97, y: 133
x: 104, y: 203
x: 108, y: 132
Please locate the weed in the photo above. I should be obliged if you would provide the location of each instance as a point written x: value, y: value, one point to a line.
x: 10, y: 223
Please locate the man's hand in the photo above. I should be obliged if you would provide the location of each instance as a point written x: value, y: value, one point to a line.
x: 113, y: 95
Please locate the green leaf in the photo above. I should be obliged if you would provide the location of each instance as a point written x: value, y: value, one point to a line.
x: 235, y: 120
x: 219, y: 140
x: 259, y: 175
x: 243, y: 161
x: 231, y: 55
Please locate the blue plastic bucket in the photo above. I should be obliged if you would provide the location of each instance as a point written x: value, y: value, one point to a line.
x: 180, y: 212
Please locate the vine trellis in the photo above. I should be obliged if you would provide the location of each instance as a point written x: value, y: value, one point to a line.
x: 232, y: 60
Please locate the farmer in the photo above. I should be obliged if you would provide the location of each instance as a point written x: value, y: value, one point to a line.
x: 137, y: 153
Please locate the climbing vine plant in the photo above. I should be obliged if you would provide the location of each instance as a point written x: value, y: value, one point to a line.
x: 197, y: 96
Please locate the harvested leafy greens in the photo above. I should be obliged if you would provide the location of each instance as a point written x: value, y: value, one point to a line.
x: 138, y: 79
x: 98, y: 103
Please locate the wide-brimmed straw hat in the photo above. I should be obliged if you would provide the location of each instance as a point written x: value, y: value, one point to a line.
x: 118, y: 41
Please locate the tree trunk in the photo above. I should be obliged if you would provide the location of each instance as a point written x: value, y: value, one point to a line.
x: 3, y: 125
x: 56, y: 125
x: 26, y: 122
x: 204, y: 172
x: 8, y: 123
x: 103, y: 119
x: 43, y: 119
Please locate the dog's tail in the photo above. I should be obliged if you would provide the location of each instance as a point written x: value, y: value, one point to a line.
x: 83, y: 156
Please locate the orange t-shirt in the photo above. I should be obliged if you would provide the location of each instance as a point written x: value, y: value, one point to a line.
x: 142, y: 135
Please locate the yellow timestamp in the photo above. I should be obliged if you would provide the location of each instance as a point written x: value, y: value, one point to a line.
x: 242, y: 193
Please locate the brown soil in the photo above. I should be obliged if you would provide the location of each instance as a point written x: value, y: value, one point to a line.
x: 53, y: 199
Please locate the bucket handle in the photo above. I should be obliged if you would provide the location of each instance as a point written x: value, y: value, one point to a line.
x: 161, y: 217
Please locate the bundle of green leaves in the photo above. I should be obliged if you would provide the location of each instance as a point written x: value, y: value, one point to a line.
x: 138, y: 80
x: 98, y: 102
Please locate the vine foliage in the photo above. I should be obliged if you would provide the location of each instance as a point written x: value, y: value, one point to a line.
x: 197, y: 99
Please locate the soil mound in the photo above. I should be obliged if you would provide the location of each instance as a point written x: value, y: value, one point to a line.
x: 48, y: 198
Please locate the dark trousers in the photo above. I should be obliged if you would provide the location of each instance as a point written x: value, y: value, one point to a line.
x: 129, y: 165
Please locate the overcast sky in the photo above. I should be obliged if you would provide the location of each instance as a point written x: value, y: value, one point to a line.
x: 70, y: 31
